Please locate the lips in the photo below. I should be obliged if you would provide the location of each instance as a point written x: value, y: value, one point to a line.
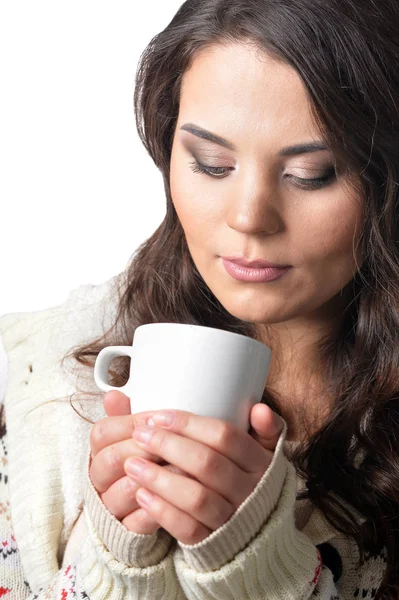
x: 253, y: 274
x: 258, y: 263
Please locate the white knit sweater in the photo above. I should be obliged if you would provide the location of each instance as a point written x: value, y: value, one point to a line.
x: 60, y: 542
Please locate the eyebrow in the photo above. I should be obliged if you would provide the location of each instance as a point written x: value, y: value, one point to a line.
x: 220, y: 141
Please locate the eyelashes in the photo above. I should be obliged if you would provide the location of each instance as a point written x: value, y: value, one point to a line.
x: 308, y: 184
x: 215, y: 172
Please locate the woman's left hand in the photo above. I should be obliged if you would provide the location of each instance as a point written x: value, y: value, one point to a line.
x: 218, y: 466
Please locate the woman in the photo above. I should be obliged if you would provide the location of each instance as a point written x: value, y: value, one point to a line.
x: 275, y: 126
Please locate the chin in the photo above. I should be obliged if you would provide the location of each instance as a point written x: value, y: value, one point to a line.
x: 260, y: 317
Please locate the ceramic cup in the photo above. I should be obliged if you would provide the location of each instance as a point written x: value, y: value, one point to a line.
x: 203, y: 370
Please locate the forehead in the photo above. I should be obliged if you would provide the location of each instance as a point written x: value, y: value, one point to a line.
x: 245, y: 93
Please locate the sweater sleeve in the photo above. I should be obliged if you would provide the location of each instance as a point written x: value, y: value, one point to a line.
x: 136, y: 550
x: 140, y: 565
x: 259, y: 553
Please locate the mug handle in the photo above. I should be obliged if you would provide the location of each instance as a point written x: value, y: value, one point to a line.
x: 101, y: 367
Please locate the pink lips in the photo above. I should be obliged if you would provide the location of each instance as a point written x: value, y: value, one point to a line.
x: 254, y: 273
x: 243, y: 262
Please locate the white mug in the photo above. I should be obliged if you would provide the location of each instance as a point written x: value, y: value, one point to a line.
x: 203, y: 370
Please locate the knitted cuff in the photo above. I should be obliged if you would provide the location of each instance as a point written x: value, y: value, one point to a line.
x: 129, y: 548
x: 223, y: 544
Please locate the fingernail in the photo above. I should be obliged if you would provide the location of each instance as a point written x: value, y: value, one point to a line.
x: 142, y: 435
x: 135, y: 466
x: 162, y: 418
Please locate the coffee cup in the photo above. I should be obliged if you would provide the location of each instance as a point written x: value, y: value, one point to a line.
x: 207, y: 371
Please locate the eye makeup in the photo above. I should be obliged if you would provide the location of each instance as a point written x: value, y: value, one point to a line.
x: 326, y: 178
x: 210, y: 153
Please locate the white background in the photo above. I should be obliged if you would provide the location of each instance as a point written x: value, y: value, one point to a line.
x: 78, y: 191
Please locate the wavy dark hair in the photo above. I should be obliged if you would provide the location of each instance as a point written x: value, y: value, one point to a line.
x: 346, y: 53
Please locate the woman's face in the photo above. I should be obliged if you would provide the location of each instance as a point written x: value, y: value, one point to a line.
x: 258, y: 204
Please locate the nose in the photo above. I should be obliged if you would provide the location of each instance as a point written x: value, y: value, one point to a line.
x: 253, y: 205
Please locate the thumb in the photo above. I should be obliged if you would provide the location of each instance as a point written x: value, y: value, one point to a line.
x: 266, y: 426
x: 116, y: 404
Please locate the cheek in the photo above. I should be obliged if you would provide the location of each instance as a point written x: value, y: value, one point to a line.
x: 196, y: 205
x: 329, y: 237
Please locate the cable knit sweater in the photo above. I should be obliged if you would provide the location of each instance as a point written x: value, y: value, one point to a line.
x: 60, y: 542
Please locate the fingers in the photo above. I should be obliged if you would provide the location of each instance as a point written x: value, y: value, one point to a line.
x: 116, y: 404
x: 188, y: 495
x: 113, y: 429
x: 140, y: 521
x: 110, y: 430
x: 213, y: 466
x: 179, y: 524
x: 209, y: 467
x: 107, y: 465
x: 266, y: 426
x: 232, y: 442
x: 120, y: 497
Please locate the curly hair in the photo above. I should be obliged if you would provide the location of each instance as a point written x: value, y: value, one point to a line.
x: 346, y: 53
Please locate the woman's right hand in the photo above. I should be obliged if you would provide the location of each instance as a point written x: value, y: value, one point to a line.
x: 111, y: 443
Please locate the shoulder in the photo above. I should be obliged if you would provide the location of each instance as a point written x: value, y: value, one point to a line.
x: 34, y: 343
x: 81, y: 304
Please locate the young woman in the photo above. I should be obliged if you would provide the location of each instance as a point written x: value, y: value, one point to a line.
x: 276, y: 127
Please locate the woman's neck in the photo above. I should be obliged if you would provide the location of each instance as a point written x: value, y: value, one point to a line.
x: 297, y: 374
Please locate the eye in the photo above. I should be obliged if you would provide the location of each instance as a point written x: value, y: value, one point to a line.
x: 215, y: 172
x: 317, y: 182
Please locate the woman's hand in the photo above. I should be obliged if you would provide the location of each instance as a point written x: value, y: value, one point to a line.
x: 111, y: 443
x: 220, y: 465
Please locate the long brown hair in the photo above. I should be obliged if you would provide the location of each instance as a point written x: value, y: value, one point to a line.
x: 346, y: 52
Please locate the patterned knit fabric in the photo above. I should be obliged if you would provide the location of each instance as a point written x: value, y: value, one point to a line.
x: 13, y: 584
x: 11, y: 574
